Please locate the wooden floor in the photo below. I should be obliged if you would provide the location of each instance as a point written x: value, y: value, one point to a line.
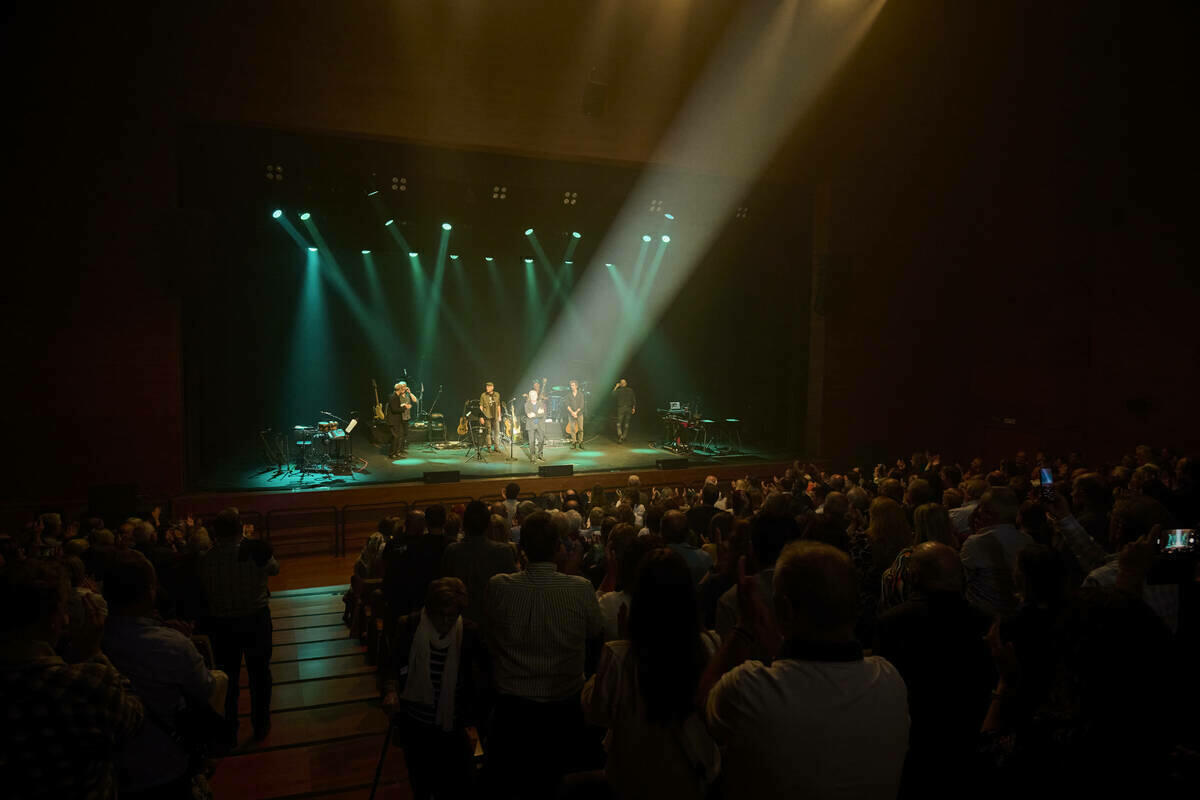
x: 327, y: 728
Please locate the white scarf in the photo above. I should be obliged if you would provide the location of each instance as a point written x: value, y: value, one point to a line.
x: 419, y: 687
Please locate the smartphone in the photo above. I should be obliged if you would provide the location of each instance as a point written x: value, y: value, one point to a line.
x: 1180, y: 540
x: 1046, y: 488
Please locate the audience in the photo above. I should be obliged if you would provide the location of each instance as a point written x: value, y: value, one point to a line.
x: 476, y: 559
x: 675, y: 530
x: 990, y: 555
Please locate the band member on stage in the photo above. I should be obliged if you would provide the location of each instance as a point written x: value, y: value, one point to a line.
x: 492, y: 410
x: 575, y: 406
x: 626, y: 407
x: 399, y: 411
x: 535, y: 412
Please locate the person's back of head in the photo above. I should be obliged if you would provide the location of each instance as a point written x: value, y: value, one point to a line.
x: 414, y: 524
x: 227, y: 525
x: 630, y: 559
x: 827, y: 529
x: 475, y: 518
x: 624, y: 513
x: 975, y: 490
x: 606, y: 528
x: 892, y: 488
x: 999, y: 506
x: 769, y: 535
x: 33, y: 600
x: 837, y: 483
x: 144, y: 534
x: 595, y: 517
x: 859, y: 498
x: 819, y: 493
x: 931, y: 523
x: 129, y: 583
x: 951, y: 476
x: 919, y: 493
x: 674, y: 527
x: 525, y: 509
x: 387, y: 527
x: 952, y: 498
x: 709, y: 494
x: 634, y: 480
x: 654, y: 516
x: 511, y: 491
x: 888, y: 530
x: 816, y: 592
x: 574, y: 521
x: 936, y: 568
x: 664, y: 629
x: 435, y: 517
x: 837, y: 506
x: 539, y: 538
x: 498, y: 529
x: 1089, y: 493
x: 1133, y: 516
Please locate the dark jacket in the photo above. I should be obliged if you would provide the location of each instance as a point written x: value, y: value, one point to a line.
x: 410, y: 564
x: 475, y: 560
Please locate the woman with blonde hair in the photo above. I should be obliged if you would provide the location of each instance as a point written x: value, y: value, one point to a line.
x: 873, y: 550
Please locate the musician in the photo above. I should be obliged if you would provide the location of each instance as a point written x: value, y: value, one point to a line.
x: 492, y: 410
x: 399, y: 411
x: 535, y: 412
x: 575, y: 407
x: 626, y: 407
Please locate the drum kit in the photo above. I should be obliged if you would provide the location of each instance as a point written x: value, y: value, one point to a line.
x: 322, y: 446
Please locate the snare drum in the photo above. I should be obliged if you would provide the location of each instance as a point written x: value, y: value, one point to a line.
x: 327, y: 426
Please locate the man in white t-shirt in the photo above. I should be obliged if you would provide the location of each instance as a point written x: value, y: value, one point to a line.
x: 821, y: 720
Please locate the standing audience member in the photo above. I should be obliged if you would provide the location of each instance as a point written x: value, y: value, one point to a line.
x: 234, y: 578
x: 821, y: 720
x: 63, y: 723
x: 411, y: 562
x: 644, y: 690
x: 476, y: 559
x: 698, y: 516
x: 166, y: 672
x: 991, y: 554
x: 961, y: 516
x: 675, y: 531
x: 539, y: 625
x: 931, y: 523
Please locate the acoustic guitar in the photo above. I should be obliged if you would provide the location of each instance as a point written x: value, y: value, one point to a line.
x: 378, y: 405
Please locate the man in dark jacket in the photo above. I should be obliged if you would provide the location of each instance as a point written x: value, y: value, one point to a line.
x: 476, y: 559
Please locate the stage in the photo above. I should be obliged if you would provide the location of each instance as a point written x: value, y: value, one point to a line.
x: 370, y: 465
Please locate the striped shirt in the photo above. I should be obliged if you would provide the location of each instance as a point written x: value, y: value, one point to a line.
x: 234, y: 583
x: 427, y: 715
x: 539, y: 623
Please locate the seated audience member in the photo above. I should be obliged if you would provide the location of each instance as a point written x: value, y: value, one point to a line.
x: 991, y: 554
x: 931, y: 523
x: 234, y: 578
x: 922, y: 636
x: 621, y: 574
x: 437, y: 687
x: 675, y: 530
x: 539, y: 625
x: 524, y: 510
x: 821, y: 720
x: 165, y: 671
x: 476, y: 559
x: 411, y: 562
x: 63, y: 723
x: 961, y: 516
x: 644, y: 690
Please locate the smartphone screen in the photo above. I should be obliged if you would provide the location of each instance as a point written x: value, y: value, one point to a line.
x: 1047, y: 478
x: 1180, y: 539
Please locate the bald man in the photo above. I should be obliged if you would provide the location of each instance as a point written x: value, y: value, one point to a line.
x: 935, y: 639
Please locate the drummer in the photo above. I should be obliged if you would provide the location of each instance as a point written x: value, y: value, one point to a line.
x: 492, y: 410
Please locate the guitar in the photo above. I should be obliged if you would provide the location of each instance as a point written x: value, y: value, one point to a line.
x: 462, y: 426
x: 378, y: 405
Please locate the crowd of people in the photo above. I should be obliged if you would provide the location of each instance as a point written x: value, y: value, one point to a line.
x: 918, y: 630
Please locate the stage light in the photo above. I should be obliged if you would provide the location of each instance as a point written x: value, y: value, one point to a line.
x: 372, y: 193
x: 576, y: 234
x: 646, y: 237
x: 454, y: 256
x: 304, y: 217
x: 529, y: 231
x: 568, y: 263
x: 669, y: 216
x: 389, y: 222
x: 312, y: 249
x: 499, y: 192
x: 277, y: 214
x: 656, y: 205
x: 570, y: 198
x: 488, y: 258
x: 446, y: 226
x: 529, y: 261
x: 666, y: 238
x: 610, y: 266
x: 366, y: 252
x: 412, y: 255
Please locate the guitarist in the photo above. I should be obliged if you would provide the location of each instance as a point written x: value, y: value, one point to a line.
x: 575, y: 406
x: 492, y: 410
x: 399, y: 412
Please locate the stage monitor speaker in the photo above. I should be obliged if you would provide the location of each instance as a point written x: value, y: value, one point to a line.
x: 671, y: 463
x: 447, y: 476
x: 114, y: 503
x: 556, y: 471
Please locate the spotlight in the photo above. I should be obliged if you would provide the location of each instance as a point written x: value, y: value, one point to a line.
x: 669, y: 216
x: 312, y: 249
x: 372, y: 193
x: 646, y: 237
x: 666, y: 238
x: 529, y: 231
x: 610, y: 266
x: 412, y: 255
x: 568, y: 263
x: 389, y: 222
x: 277, y: 213
x: 445, y: 226
x: 529, y: 261
x: 577, y: 234
x: 305, y: 216
x: 366, y: 252
x: 488, y: 258
x: 454, y: 256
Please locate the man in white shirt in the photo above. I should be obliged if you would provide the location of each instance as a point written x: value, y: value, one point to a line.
x: 821, y: 720
x: 990, y: 555
x: 960, y: 517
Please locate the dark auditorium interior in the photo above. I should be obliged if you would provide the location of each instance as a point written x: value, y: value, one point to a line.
x: 601, y: 400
